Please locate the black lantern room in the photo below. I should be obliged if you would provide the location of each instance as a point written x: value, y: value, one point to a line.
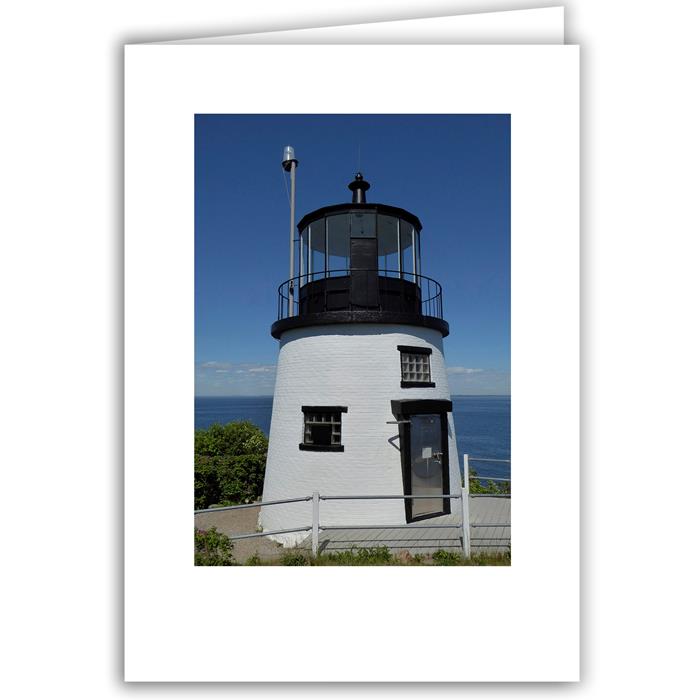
x: 359, y: 262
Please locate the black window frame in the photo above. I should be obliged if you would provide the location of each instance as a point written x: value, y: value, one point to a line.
x: 415, y: 350
x: 315, y: 447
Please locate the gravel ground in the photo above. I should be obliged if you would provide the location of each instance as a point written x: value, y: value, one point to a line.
x: 240, y: 522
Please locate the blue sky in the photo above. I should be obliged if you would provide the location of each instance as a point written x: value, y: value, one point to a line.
x: 452, y: 171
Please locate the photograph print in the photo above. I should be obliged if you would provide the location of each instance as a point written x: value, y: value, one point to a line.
x: 352, y: 340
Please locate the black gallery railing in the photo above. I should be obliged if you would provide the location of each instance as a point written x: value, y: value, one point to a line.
x: 352, y: 289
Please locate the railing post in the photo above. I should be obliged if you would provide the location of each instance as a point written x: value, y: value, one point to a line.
x: 466, y: 537
x: 315, y: 501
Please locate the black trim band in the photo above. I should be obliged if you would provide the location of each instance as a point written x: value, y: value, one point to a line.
x: 324, y: 409
x: 408, y: 407
x: 417, y: 385
x: 321, y: 448
x: 328, y: 318
x: 414, y: 349
x: 364, y: 206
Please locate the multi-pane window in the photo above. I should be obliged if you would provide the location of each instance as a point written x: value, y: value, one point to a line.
x: 322, y: 428
x: 415, y: 366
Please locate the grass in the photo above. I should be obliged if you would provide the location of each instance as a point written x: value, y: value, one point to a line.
x: 382, y: 556
x: 213, y: 548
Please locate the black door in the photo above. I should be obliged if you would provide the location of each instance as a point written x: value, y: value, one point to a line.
x: 363, y: 276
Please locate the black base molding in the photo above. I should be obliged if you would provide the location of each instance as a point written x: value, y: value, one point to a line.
x: 328, y: 318
x: 322, y: 448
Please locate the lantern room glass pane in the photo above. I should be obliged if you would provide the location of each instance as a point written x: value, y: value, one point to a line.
x: 388, y: 245
x: 363, y: 224
x: 304, y: 262
x: 318, y: 248
x: 407, y: 251
x: 338, y: 226
x: 417, y: 244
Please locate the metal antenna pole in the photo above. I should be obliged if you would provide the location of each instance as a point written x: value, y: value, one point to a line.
x: 289, y: 163
x: 293, y: 176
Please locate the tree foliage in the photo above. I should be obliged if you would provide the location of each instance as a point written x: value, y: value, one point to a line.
x: 486, y: 485
x: 233, y: 439
x: 229, y: 464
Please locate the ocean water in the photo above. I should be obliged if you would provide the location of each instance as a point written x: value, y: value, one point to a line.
x: 224, y: 409
x: 482, y: 424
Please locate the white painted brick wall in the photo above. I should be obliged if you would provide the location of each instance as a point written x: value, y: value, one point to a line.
x: 358, y: 366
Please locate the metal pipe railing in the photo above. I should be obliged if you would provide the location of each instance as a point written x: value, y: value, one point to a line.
x: 217, y: 509
x: 269, y: 532
x: 430, y: 290
x: 316, y: 498
x: 488, y: 478
x: 373, y: 498
x: 388, y: 527
x: 480, y: 477
x: 316, y: 527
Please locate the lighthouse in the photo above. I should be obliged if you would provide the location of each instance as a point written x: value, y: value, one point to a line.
x: 361, y: 403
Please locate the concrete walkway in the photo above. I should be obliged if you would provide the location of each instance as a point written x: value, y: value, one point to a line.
x: 419, y: 539
x: 240, y: 522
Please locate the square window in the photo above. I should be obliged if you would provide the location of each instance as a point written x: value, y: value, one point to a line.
x: 415, y: 366
x: 322, y: 428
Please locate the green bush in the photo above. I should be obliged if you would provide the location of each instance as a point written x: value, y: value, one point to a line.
x: 369, y: 556
x: 489, y: 559
x: 365, y: 556
x: 229, y: 464
x: 382, y: 556
x: 235, y: 438
x: 212, y: 548
x: 487, y: 485
x: 294, y: 559
x: 443, y: 558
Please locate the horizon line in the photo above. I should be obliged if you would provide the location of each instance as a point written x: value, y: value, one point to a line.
x: 270, y: 396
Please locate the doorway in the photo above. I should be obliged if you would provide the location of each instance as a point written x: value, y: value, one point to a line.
x: 424, y: 455
x: 364, y: 289
x: 427, y: 457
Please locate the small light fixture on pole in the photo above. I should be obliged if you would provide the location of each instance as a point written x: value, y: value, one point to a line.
x: 289, y: 163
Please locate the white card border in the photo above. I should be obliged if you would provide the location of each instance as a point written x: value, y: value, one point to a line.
x: 350, y: 624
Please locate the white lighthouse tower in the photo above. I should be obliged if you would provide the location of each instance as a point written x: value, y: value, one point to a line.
x: 361, y: 404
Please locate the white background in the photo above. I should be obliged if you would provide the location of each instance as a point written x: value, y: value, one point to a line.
x: 61, y: 358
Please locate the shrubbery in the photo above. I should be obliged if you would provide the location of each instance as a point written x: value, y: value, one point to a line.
x: 212, y: 548
x: 229, y: 464
x: 487, y: 485
x: 294, y: 559
x: 445, y: 558
x: 364, y: 556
